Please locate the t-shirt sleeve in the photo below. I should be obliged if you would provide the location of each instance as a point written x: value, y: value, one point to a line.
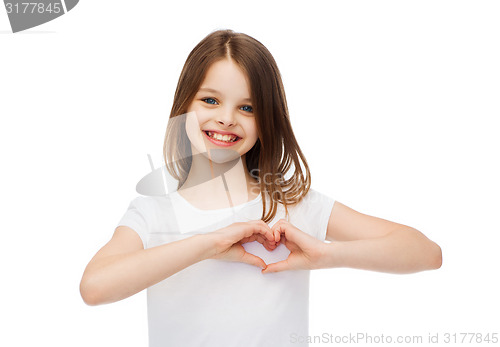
x: 317, y: 209
x: 135, y: 217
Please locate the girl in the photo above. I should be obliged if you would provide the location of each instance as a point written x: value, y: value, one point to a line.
x: 226, y: 258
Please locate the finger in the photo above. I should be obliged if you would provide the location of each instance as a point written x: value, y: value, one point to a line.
x: 277, y: 267
x: 277, y: 235
x: 251, y: 229
x: 264, y: 241
x: 291, y: 233
x: 267, y: 246
x: 270, y: 246
x: 260, y: 238
x: 283, y: 239
x: 264, y: 229
x: 249, y: 239
x: 288, y: 244
x: 276, y: 225
x: 253, y: 260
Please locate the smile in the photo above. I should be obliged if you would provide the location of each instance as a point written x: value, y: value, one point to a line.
x: 220, y: 139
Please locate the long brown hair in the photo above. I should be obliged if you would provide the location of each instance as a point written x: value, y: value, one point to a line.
x: 276, y: 149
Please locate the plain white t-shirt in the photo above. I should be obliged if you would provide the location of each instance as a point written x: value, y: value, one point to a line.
x: 223, y: 303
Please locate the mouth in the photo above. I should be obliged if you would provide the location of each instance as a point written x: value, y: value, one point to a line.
x: 221, y: 139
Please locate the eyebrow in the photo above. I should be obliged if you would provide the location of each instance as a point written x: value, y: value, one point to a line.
x: 217, y: 92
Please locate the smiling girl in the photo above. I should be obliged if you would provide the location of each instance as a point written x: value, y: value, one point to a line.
x: 226, y: 258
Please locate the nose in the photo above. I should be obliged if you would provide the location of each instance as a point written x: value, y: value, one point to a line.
x: 226, y: 118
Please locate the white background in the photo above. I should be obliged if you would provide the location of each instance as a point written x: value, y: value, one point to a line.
x: 395, y: 104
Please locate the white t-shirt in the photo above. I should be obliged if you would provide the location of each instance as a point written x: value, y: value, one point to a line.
x: 223, y: 303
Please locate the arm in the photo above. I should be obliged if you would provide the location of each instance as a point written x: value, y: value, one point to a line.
x: 358, y: 241
x: 370, y: 243
x: 123, y: 267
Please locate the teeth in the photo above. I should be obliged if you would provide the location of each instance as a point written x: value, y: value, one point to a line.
x: 220, y: 137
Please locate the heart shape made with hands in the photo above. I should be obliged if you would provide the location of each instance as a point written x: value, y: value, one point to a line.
x: 302, y: 249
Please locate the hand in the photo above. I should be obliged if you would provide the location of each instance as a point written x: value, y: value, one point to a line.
x: 228, y: 241
x: 305, y: 250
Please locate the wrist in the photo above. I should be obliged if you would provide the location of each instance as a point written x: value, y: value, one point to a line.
x: 207, y: 243
x: 331, y: 255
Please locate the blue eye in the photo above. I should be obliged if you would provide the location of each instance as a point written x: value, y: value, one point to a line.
x: 248, y: 108
x: 207, y: 100
x: 212, y: 101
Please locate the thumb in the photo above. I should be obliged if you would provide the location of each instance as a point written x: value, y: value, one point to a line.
x: 253, y: 260
x: 277, y: 267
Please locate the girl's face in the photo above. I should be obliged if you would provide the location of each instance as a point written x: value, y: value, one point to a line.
x: 222, y: 120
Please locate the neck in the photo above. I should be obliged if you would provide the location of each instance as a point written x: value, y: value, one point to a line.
x: 216, y: 185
